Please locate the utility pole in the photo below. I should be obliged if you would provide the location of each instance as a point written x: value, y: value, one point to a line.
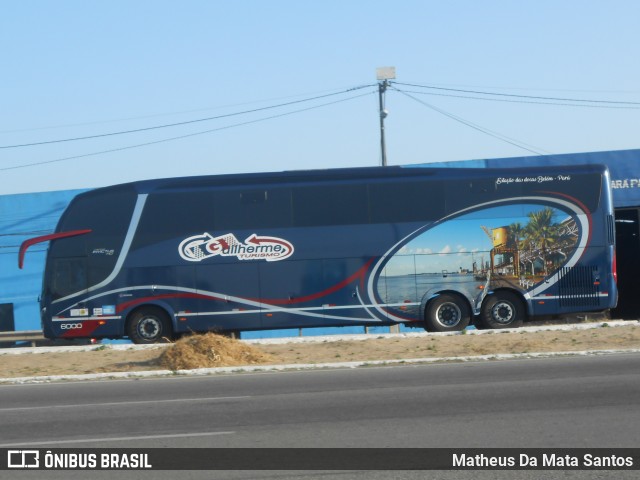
x: 383, y: 75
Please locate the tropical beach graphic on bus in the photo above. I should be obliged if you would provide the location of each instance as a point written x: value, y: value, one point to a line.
x: 516, y: 246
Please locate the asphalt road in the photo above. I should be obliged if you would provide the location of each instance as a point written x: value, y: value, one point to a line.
x: 548, y: 403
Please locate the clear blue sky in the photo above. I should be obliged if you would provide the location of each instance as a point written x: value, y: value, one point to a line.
x: 71, y: 69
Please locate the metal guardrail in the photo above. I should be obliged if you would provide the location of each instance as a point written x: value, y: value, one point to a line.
x: 32, y: 336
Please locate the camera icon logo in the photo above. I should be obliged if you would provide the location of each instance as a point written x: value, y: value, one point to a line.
x: 23, y: 459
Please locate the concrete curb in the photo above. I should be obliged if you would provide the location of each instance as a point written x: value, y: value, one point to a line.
x: 305, y: 366
x: 359, y: 337
x: 314, y: 366
x: 326, y: 338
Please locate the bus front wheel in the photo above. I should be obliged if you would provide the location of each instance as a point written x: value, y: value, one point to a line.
x: 503, y: 310
x: 447, y: 313
x: 149, y: 325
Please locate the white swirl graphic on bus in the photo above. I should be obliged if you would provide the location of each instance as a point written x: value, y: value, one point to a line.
x: 255, y: 247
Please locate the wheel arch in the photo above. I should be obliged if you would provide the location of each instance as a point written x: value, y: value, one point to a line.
x: 503, y: 308
x: 431, y: 300
x: 160, y: 306
x: 431, y: 296
x: 527, y: 307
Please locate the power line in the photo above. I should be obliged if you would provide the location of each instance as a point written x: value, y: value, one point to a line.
x: 499, y: 136
x: 165, y: 114
x: 533, y: 89
x: 187, y: 135
x: 533, y: 97
x: 529, y: 102
x: 188, y: 122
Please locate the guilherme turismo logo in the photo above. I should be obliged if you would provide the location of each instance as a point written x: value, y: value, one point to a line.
x: 255, y: 247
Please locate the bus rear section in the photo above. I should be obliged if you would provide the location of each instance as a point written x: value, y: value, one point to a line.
x: 528, y: 242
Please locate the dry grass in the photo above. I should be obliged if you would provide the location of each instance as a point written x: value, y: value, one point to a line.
x: 209, y: 350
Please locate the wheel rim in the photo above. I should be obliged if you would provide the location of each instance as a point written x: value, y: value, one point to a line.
x: 448, y: 315
x: 503, y: 313
x: 149, y: 328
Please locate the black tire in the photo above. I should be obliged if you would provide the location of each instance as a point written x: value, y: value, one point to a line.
x: 447, y: 313
x: 503, y: 310
x: 149, y: 325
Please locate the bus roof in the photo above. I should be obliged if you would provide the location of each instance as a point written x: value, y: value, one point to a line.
x: 336, y: 174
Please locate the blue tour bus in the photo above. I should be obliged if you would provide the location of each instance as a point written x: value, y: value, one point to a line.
x: 431, y: 248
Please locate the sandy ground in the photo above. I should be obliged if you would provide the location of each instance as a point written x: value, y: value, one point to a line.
x: 104, y: 359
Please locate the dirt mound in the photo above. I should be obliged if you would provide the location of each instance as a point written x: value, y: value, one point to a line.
x: 210, y: 350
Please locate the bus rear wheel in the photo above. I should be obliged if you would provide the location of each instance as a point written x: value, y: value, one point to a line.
x: 503, y: 310
x: 149, y: 325
x: 447, y: 313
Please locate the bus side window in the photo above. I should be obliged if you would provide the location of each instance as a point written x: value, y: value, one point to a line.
x: 317, y: 205
x: 407, y: 201
x: 70, y: 276
x: 252, y: 208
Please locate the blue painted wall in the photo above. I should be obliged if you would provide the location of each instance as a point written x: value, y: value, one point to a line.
x: 22, y: 217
